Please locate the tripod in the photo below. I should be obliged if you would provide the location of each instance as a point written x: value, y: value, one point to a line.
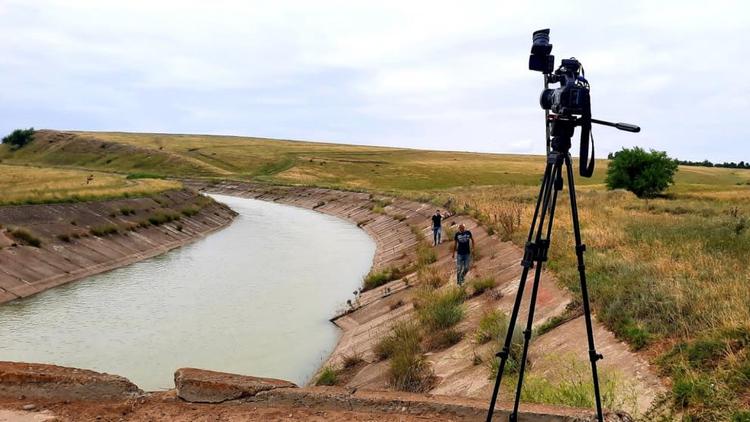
x: 535, y: 253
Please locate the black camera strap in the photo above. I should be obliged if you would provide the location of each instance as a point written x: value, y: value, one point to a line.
x: 586, y: 162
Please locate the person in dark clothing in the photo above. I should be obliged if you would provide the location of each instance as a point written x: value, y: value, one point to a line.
x: 437, y: 221
x: 463, y: 243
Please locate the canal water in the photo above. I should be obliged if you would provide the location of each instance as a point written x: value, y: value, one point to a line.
x: 253, y: 298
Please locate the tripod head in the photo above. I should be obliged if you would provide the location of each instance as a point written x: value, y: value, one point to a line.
x: 569, y: 105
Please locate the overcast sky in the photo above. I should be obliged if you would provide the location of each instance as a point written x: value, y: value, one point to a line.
x: 422, y: 74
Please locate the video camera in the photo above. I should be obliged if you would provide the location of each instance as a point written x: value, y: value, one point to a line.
x: 569, y: 105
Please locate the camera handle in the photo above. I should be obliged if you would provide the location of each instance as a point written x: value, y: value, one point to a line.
x: 586, y: 163
x: 546, y: 116
x: 566, y: 125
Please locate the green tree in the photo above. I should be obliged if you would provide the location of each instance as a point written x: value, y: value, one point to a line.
x: 643, y: 173
x: 19, y: 137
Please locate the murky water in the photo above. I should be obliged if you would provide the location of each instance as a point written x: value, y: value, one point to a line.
x: 253, y: 298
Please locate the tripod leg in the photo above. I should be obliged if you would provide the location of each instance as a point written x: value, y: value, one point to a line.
x: 580, y: 248
x: 529, y: 254
x: 543, y: 241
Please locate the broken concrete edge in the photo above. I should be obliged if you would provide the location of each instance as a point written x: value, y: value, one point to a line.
x: 52, y: 382
x: 204, y: 386
x: 43, y: 381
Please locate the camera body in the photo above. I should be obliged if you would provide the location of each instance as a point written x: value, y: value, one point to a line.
x: 565, y: 107
x: 572, y: 98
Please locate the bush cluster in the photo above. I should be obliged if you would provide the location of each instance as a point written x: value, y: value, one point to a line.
x: 19, y: 137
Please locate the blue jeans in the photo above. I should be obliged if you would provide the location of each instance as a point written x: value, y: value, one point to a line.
x: 436, y: 231
x: 463, y: 262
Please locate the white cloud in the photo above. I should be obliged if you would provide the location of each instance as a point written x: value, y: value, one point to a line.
x: 420, y: 74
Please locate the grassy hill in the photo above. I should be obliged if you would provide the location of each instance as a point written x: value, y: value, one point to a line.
x: 344, y: 166
x: 669, y: 276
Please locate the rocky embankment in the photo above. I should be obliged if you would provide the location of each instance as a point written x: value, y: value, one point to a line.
x: 43, y: 246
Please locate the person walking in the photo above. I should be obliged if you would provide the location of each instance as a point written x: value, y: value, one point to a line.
x: 463, y: 244
x: 437, y: 222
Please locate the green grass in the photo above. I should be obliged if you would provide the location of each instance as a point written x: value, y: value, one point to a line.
x: 24, y: 185
x: 104, y: 230
x: 190, y: 211
x: 439, y: 309
x: 442, y: 339
x: 162, y: 217
x: 430, y: 276
x: 375, y: 279
x: 328, y: 376
x: 480, y: 285
x: 25, y: 236
x: 127, y: 211
x: 425, y: 254
x: 404, y: 336
x: 569, y: 383
x: 492, y: 326
x: 408, y: 370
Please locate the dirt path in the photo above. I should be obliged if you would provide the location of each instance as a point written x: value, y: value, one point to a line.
x: 324, y: 404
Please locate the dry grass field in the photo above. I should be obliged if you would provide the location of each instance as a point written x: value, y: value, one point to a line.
x: 669, y: 276
x: 39, y: 185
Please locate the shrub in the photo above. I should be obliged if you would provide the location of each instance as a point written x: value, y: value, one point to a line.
x: 449, y: 233
x: 514, y: 356
x: 381, y: 203
x: 425, y: 254
x: 438, y: 310
x: 417, y: 232
x: 105, y: 230
x: 691, y: 390
x: 430, y: 276
x: 160, y: 218
x: 127, y: 211
x: 19, y: 137
x: 480, y: 285
x: 492, y: 326
x: 405, y: 336
x: 508, y: 216
x: 410, y: 371
x: 444, y: 339
x: 26, y: 237
x: 644, y: 173
x: 190, y: 211
x: 144, y: 176
x: 375, y: 279
x: 569, y: 384
x: 352, y: 360
x: 64, y: 237
x: 550, y: 324
x: 328, y: 376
